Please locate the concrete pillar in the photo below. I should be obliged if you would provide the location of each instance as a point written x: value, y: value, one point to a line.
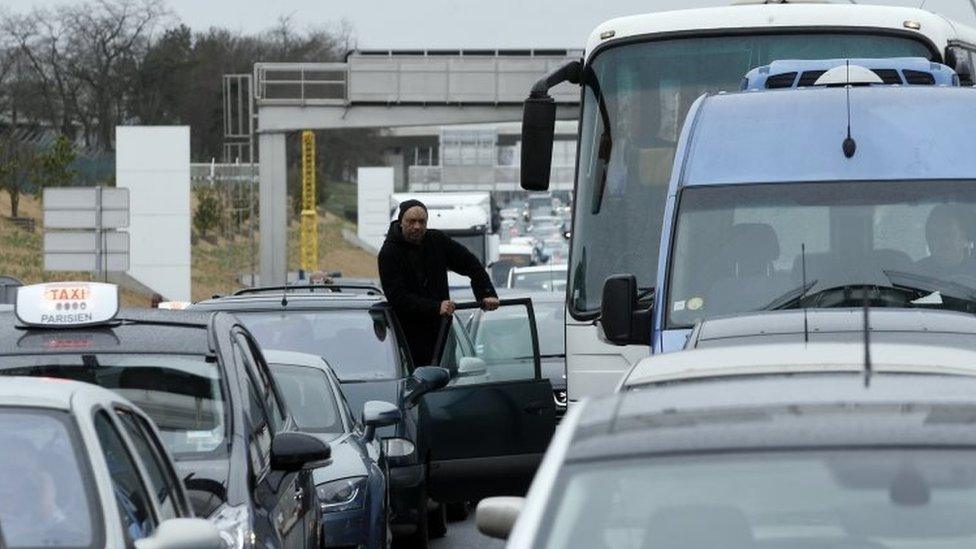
x: 273, y: 213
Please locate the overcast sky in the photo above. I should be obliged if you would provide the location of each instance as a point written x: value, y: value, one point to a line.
x: 450, y: 23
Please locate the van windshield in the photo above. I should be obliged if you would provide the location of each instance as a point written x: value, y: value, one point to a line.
x: 648, y: 88
x: 742, y: 248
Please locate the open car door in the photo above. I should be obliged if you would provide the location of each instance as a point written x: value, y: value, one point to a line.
x: 485, y: 433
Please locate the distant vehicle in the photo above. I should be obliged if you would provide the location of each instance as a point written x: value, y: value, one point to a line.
x: 637, y: 89
x: 699, y: 456
x: 352, y: 488
x: 550, y: 278
x: 539, y: 206
x: 204, y: 382
x: 83, y: 467
x: 437, y: 461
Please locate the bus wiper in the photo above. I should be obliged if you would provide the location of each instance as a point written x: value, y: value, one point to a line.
x: 645, y: 293
x: 790, y: 298
x: 606, y: 142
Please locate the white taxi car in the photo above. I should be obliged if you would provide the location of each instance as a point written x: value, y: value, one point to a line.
x: 83, y: 467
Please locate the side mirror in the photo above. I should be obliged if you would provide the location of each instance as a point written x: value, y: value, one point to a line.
x: 538, y: 131
x: 471, y: 366
x: 376, y: 414
x: 495, y: 517
x: 294, y: 451
x: 623, y: 319
x: 183, y: 533
x: 427, y: 379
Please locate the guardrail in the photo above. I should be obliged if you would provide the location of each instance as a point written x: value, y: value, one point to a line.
x: 303, y: 83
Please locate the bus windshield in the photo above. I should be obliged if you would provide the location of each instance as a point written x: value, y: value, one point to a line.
x: 648, y: 88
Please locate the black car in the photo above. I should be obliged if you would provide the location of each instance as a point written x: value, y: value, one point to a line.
x: 470, y: 439
x: 202, y: 380
x: 352, y: 489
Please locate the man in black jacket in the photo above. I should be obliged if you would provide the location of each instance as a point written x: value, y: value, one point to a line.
x: 413, y: 265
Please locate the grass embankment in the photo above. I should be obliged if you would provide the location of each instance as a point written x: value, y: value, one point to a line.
x: 216, y: 263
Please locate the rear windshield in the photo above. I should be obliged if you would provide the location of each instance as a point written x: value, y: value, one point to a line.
x: 358, y: 344
x: 181, y: 393
x: 46, y: 497
x: 308, y: 395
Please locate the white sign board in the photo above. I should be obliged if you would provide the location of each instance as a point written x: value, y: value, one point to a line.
x: 67, y: 303
x: 80, y: 251
x: 78, y: 208
x: 374, y: 187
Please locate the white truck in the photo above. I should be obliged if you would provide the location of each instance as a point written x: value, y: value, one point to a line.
x: 465, y: 217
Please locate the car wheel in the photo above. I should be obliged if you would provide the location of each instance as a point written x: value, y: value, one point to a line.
x: 437, y: 521
x: 457, y: 512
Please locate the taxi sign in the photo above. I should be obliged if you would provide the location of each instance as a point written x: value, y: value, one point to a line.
x: 67, y: 304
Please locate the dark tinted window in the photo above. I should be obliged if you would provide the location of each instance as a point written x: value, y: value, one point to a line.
x: 259, y: 436
x: 182, y: 394
x: 131, y: 497
x: 161, y: 478
x: 46, y: 496
x: 309, y: 397
x: 263, y: 378
x: 358, y: 344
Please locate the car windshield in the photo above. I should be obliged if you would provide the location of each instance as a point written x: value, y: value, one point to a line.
x: 309, y: 397
x: 181, y: 393
x: 752, y: 247
x: 358, y: 344
x: 648, y: 88
x: 548, y: 280
x: 46, y: 497
x: 842, y: 499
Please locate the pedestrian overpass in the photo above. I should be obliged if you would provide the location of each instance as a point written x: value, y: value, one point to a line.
x: 378, y: 89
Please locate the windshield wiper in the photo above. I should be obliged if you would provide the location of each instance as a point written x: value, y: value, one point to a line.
x: 790, y: 297
x: 645, y: 294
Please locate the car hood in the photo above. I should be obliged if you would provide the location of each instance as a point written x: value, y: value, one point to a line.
x: 206, y: 483
x: 359, y: 392
x: 347, y: 461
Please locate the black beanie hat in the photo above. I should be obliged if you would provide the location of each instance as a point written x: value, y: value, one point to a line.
x: 406, y: 205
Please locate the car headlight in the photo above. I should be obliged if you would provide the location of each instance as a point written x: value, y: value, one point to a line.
x: 397, y: 447
x: 234, y: 526
x: 342, y: 495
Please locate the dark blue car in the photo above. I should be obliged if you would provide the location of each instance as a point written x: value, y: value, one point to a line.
x: 352, y: 489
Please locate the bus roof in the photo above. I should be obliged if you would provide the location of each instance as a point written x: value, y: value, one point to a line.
x: 935, y: 28
x: 901, y: 132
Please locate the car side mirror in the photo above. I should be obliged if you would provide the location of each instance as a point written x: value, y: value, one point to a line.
x: 294, y: 451
x: 623, y: 320
x: 495, y: 517
x: 538, y: 131
x: 376, y: 414
x: 183, y: 533
x: 471, y: 366
x: 427, y: 379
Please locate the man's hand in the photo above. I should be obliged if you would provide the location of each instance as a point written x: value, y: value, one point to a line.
x: 490, y: 303
x: 447, y: 308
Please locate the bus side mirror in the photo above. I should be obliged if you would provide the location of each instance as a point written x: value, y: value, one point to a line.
x: 538, y: 129
x: 623, y: 320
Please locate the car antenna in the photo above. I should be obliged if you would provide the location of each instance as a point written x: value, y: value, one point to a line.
x: 849, y: 146
x: 803, y: 290
x: 867, y: 340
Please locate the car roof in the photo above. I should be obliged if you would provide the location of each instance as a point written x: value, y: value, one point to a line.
x: 48, y: 392
x: 540, y: 268
x: 901, y: 132
x: 778, y: 412
x: 140, y: 331
x: 934, y: 28
x: 921, y: 326
x: 790, y: 358
x: 295, y: 300
x: 276, y: 356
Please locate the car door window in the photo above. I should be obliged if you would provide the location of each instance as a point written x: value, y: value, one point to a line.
x: 259, y: 434
x: 131, y: 495
x: 496, y: 346
x: 262, y: 377
x: 160, y: 476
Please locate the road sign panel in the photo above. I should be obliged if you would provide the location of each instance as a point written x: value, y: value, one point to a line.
x: 75, y: 242
x: 85, y: 262
x: 77, y: 208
